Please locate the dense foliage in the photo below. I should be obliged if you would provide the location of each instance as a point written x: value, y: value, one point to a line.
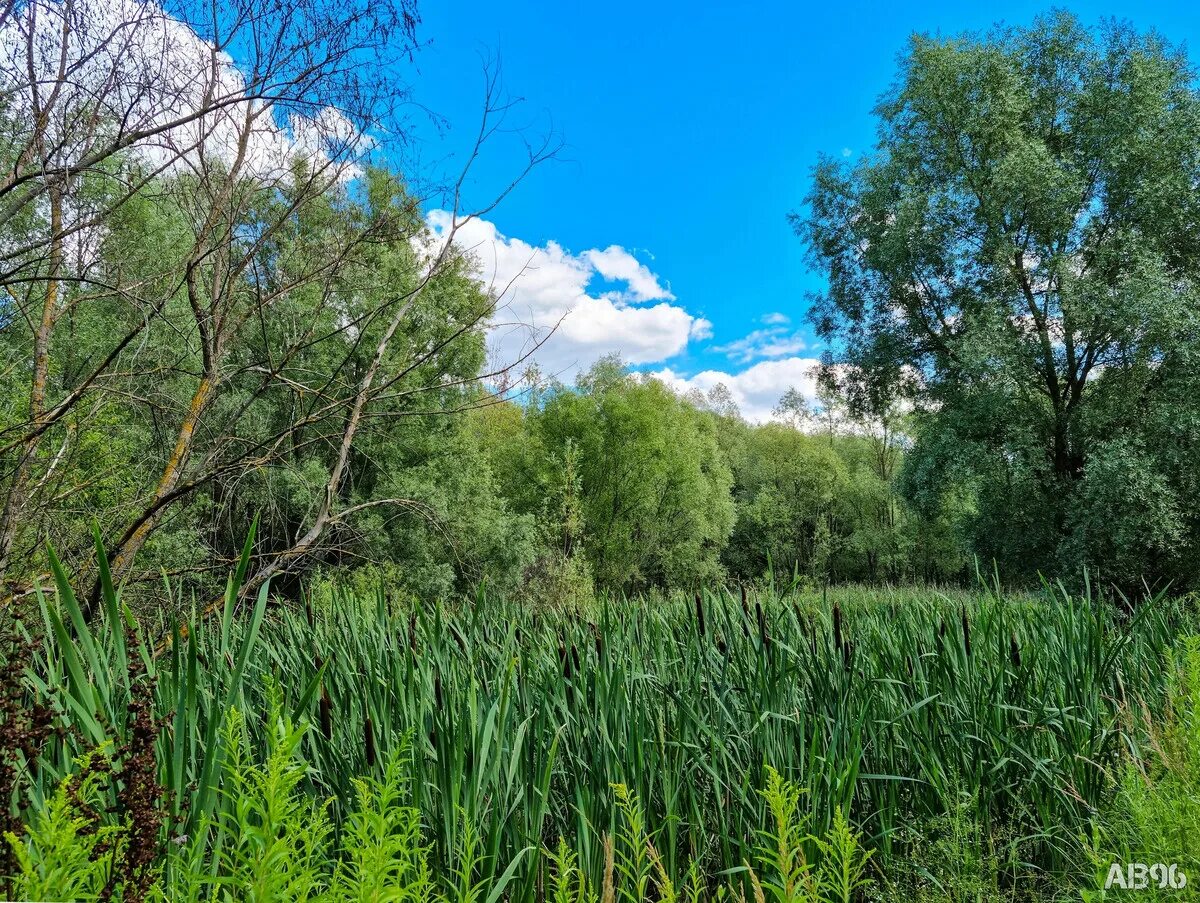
x: 1011, y: 302
x: 497, y: 638
x: 1018, y: 262
x: 928, y: 720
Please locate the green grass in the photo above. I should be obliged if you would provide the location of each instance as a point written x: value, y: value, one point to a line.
x: 895, y: 707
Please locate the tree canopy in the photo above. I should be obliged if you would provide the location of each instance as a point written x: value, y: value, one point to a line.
x: 1018, y: 260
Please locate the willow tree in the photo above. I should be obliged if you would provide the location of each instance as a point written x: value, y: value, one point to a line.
x: 236, y: 305
x: 1018, y: 258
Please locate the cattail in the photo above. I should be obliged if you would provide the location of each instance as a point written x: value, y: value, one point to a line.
x: 721, y: 647
x: 837, y: 625
x: 1014, y: 651
x: 608, y: 894
x: 575, y: 657
x: 763, y: 636
x: 437, y: 691
x: 745, y: 607
x: 308, y: 610
x: 369, y: 741
x: 699, y: 615
x: 326, y: 714
x: 599, y: 642
x: 847, y: 654
x: 966, y: 627
x: 412, y: 631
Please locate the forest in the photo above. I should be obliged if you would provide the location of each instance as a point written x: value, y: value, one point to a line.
x: 308, y: 595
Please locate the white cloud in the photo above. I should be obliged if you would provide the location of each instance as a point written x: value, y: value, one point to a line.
x: 756, y: 389
x: 133, y: 63
x: 846, y: 152
x: 616, y: 264
x: 773, y: 341
x: 546, y: 289
x: 775, y: 318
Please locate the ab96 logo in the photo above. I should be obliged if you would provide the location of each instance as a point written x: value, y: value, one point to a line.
x: 1139, y: 876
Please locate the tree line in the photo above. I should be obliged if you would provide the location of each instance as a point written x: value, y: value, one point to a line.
x: 219, y: 304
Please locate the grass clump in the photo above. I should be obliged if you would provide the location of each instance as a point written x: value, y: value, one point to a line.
x: 1154, y: 818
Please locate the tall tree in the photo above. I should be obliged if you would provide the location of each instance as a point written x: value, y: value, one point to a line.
x: 1023, y: 243
x: 656, y: 507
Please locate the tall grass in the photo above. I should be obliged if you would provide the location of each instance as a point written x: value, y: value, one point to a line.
x: 881, y: 707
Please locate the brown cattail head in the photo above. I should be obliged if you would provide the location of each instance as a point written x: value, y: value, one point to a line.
x: 966, y: 628
x: 412, y: 631
x: 763, y: 636
x: 326, y: 708
x: 1014, y: 651
x: 745, y: 607
x: 837, y: 625
x: 369, y: 741
x: 699, y: 615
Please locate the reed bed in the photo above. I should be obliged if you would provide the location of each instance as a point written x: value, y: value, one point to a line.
x: 892, y: 705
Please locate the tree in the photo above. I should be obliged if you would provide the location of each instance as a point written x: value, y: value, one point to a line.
x: 1020, y: 251
x: 263, y: 324
x: 790, y: 490
x: 793, y: 409
x: 656, y: 506
x: 103, y: 100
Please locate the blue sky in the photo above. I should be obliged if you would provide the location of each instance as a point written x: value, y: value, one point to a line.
x: 689, y: 132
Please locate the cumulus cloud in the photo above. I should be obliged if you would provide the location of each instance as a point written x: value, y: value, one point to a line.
x: 546, y: 293
x: 756, y: 389
x: 775, y: 318
x: 616, y: 264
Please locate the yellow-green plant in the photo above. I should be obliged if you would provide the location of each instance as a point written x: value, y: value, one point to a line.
x: 67, y: 850
x: 1154, y: 817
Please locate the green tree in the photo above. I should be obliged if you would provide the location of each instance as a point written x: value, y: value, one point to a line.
x: 1019, y: 258
x: 790, y: 491
x: 656, y: 505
